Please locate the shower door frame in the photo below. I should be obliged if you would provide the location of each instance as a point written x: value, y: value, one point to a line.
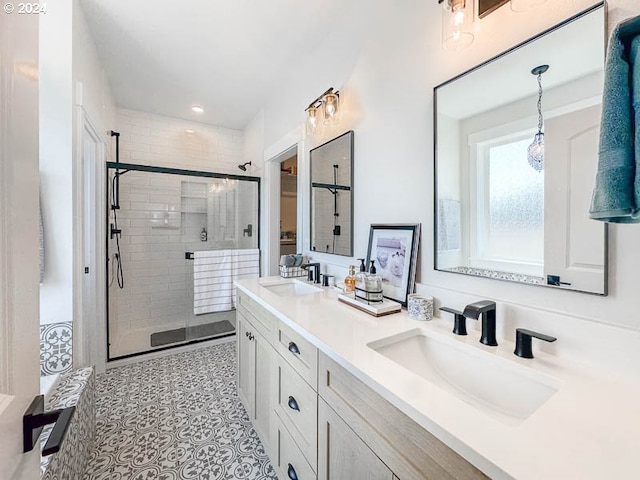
x: 171, y: 171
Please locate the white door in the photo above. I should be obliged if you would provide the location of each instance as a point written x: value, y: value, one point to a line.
x: 89, y: 336
x: 19, y: 278
x: 573, y: 243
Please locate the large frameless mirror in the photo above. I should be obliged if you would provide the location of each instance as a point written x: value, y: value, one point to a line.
x: 332, y: 196
x: 516, y: 154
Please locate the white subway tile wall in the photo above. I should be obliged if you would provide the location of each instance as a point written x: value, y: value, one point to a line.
x: 149, y: 139
x: 162, y: 216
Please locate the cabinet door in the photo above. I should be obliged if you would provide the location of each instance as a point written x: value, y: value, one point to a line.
x: 246, y: 366
x: 342, y: 454
x: 263, y: 379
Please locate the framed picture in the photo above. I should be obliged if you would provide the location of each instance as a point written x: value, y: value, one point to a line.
x: 394, y: 247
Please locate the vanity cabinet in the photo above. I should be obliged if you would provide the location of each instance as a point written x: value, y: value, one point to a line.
x: 407, y: 449
x: 318, y: 421
x: 255, y: 364
x: 296, y: 404
x: 342, y: 454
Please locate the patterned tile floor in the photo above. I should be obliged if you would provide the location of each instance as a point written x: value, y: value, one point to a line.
x: 175, y: 418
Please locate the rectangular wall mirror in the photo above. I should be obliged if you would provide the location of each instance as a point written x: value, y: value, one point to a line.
x: 332, y: 196
x: 501, y: 212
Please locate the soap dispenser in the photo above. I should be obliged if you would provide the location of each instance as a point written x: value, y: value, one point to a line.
x: 373, y: 284
x: 361, y: 276
x: 350, y: 280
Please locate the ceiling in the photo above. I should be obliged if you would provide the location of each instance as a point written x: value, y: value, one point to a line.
x: 163, y: 56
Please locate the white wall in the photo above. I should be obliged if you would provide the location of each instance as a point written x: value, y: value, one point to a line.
x: 91, y: 85
x: 56, y: 165
x: 386, y: 58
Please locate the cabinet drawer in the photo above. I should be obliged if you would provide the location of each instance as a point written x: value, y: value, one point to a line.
x: 299, y: 353
x: 410, y: 451
x: 296, y: 404
x: 342, y: 454
x: 264, y: 321
x: 289, y: 462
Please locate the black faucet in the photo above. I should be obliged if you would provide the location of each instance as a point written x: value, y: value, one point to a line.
x: 313, y: 274
x: 459, y: 321
x: 487, y: 309
x: 523, y: 341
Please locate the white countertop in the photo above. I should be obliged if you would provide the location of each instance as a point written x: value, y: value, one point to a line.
x: 589, y: 429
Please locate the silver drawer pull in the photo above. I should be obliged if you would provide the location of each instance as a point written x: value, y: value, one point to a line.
x: 293, y: 348
x: 293, y: 405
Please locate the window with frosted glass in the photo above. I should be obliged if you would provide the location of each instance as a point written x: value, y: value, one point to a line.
x: 512, y: 220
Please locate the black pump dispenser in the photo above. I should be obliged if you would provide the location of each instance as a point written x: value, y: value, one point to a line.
x: 372, y: 268
x: 363, y: 268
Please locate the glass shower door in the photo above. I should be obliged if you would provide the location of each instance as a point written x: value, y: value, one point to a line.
x: 158, y: 218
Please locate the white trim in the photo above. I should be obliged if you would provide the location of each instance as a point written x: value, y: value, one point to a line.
x: 270, y: 209
x: 89, y: 329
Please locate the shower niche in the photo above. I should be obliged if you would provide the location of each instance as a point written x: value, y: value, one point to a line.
x: 165, y: 214
x: 208, y: 212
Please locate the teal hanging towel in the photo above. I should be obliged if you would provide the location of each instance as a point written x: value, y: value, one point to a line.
x: 616, y: 194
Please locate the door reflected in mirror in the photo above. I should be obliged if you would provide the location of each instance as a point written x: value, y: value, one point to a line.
x: 332, y: 196
x: 516, y: 154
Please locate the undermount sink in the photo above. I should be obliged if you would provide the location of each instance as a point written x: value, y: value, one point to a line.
x: 291, y: 288
x: 494, y: 385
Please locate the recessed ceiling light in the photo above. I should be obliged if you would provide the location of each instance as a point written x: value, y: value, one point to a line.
x: 189, y: 131
x: 197, y: 109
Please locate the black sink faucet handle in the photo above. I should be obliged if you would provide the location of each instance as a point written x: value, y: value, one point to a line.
x: 459, y: 321
x: 523, y: 341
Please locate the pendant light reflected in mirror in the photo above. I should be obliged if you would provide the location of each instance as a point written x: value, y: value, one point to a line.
x: 535, y: 151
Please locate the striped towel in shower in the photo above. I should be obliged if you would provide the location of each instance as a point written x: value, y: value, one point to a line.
x: 246, y: 264
x: 213, y: 274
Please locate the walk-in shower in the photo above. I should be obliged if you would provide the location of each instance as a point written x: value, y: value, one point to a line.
x: 157, y: 218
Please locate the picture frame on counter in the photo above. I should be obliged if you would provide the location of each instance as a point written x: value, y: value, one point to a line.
x: 394, y: 247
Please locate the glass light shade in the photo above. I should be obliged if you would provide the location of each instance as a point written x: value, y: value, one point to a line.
x: 535, y: 152
x: 457, y: 24
x: 312, y: 120
x: 524, y: 5
x: 330, y: 105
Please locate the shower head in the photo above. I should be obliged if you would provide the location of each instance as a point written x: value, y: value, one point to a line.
x: 243, y: 167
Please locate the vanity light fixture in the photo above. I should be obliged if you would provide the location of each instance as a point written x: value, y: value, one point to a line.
x: 457, y: 24
x: 197, y: 109
x: 524, y: 5
x: 535, y: 151
x: 328, y: 105
x: 312, y: 119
